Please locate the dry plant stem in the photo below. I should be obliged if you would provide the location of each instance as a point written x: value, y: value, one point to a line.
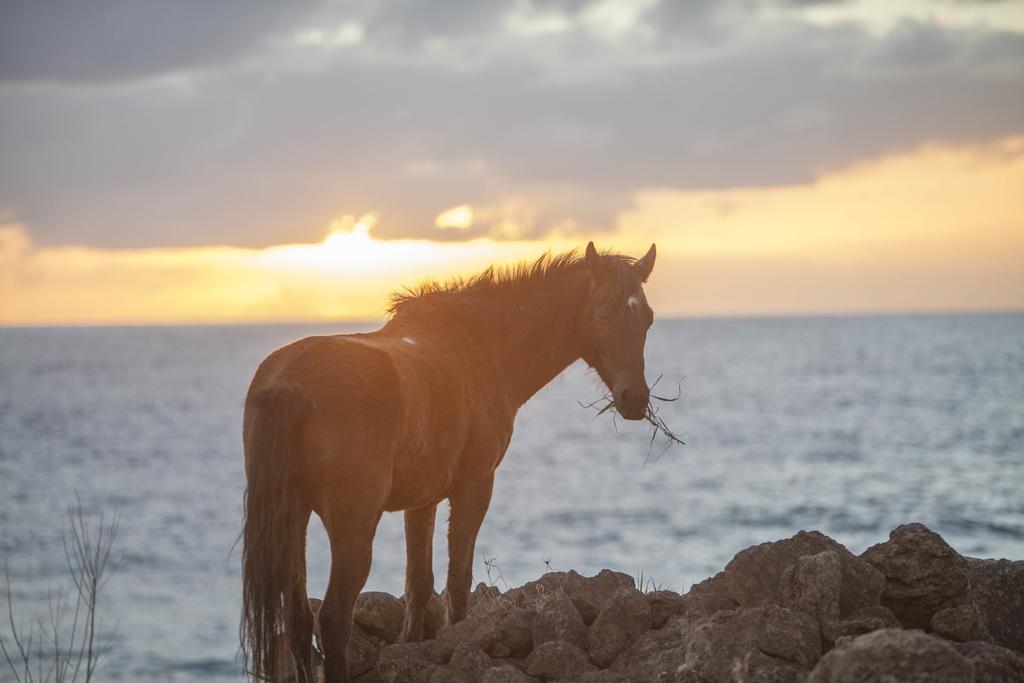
x: 606, y: 404
x: 70, y: 650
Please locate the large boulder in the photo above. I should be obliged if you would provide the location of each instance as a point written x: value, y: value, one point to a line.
x: 656, y: 655
x: 559, y: 619
x: 992, y: 664
x: 480, y: 629
x: 379, y: 614
x: 607, y: 676
x: 506, y: 633
x: 894, y: 655
x: 471, y: 660
x: 484, y: 598
x: 767, y: 643
x: 558, y: 660
x: 664, y: 605
x: 436, y: 617
x: 506, y: 674
x: 814, y: 584
x: 446, y: 674
x: 515, y: 633
x: 923, y: 574
x: 622, y: 619
x: 997, y: 594
x: 409, y: 662
x: 961, y: 623
x: 363, y: 651
x: 363, y: 648
x: 755, y: 576
x: 588, y: 594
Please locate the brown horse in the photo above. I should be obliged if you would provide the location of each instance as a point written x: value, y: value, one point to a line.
x: 349, y: 426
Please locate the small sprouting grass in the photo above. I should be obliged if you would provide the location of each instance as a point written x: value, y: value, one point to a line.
x: 645, y: 583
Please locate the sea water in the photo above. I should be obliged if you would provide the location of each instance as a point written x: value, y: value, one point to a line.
x: 849, y: 425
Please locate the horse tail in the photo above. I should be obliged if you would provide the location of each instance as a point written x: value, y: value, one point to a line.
x: 273, y: 532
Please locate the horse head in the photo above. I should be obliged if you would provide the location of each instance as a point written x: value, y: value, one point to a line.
x: 615, y: 321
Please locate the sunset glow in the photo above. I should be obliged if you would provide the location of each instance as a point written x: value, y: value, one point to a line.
x: 936, y: 229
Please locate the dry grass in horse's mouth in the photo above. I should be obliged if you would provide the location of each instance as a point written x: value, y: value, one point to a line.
x: 606, y: 404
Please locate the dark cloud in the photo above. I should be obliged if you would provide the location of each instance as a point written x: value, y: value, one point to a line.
x: 84, y: 40
x: 560, y: 129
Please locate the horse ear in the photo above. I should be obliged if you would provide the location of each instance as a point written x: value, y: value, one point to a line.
x: 594, y: 264
x: 644, y: 266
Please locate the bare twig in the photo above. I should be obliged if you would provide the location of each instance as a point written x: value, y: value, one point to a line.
x: 74, y: 648
x: 494, y: 572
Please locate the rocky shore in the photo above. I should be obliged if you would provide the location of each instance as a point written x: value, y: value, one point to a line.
x: 799, y: 609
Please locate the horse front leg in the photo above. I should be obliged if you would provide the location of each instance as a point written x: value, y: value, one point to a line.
x: 469, y: 506
x: 419, y: 569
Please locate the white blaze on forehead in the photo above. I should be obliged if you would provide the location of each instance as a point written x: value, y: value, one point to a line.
x: 409, y: 340
x: 632, y: 302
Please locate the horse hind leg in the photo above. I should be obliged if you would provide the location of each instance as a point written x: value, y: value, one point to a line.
x: 351, y: 534
x: 300, y: 620
x: 419, y: 570
x: 468, y: 509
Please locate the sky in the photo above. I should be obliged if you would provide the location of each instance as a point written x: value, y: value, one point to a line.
x: 262, y: 161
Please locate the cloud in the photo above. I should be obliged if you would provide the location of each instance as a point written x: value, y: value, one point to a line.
x: 84, y: 40
x: 887, y: 235
x: 268, y: 135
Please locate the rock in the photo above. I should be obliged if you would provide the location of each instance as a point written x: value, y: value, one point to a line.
x: 754, y: 576
x: 470, y: 659
x: 515, y: 633
x: 813, y: 584
x: 922, y: 574
x: 446, y: 674
x: 507, y: 633
x: 588, y: 594
x: 664, y: 605
x: 997, y: 593
x: 436, y: 617
x: 961, y: 623
x: 697, y: 605
x: 992, y: 663
x: 754, y: 644
x: 556, y: 660
x: 480, y: 629
x: 656, y: 655
x: 379, y: 614
x: 558, y: 619
x: 409, y: 662
x: 894, y: 655
x: 506, y: 674
x: 606, y: 676
x: 862, y: 621
x: 749, y: 644
x: 624, y: 616
x: 363, y: 650
x: 484, y: 598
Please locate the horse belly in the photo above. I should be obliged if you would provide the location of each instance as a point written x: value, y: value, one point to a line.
x: 423, y: 474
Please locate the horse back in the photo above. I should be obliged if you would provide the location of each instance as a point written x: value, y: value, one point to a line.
x: 414, y: 411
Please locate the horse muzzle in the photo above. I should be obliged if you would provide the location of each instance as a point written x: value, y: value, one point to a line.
x: 631, y: 401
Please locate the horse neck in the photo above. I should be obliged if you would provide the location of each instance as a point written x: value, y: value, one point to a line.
x: 538, y: 336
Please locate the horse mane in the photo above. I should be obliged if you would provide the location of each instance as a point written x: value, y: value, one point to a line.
x: 495, y: 283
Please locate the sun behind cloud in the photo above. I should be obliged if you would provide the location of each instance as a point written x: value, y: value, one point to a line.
x: 939, y: 228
